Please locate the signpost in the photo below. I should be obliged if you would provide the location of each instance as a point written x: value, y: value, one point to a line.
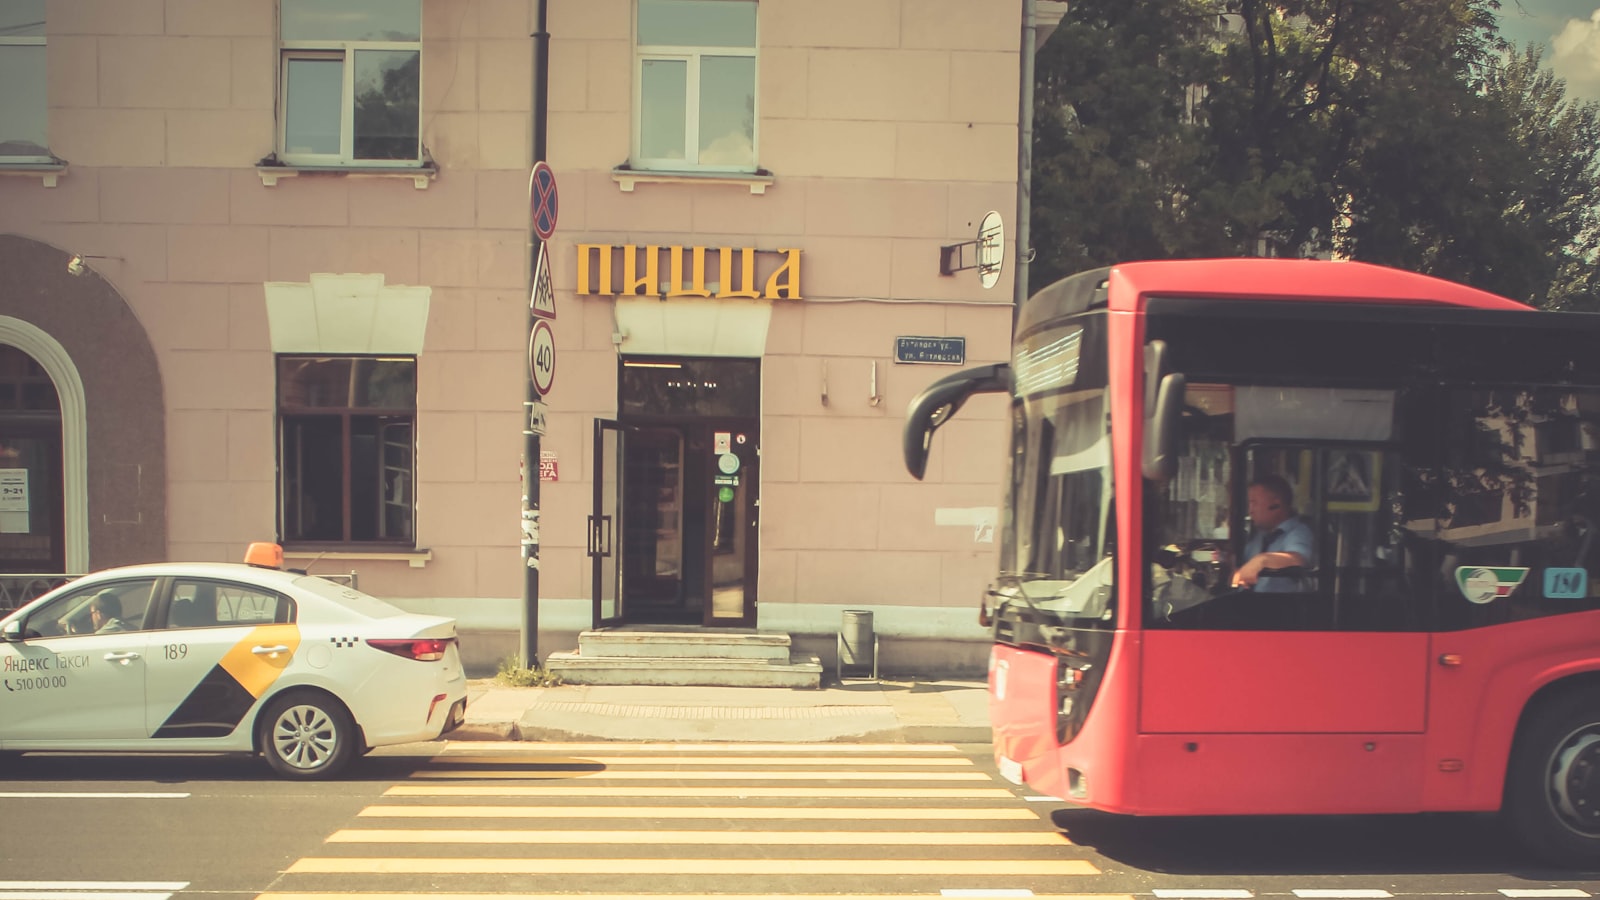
x: 543, y: 206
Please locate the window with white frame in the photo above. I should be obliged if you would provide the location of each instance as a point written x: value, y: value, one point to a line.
x: 695, y: 86
x: 350, y: 82
x: 22, y: 82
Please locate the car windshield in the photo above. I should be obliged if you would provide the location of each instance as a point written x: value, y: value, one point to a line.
x: 1057, y: 554
x: 348, y: 597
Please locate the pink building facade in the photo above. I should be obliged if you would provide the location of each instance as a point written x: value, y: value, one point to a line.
x: 265, y: 275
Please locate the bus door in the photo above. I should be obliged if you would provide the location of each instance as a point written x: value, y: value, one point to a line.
x: 1250, y: 658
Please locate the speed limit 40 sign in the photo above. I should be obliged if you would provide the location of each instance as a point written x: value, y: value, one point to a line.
x: 542, y: 356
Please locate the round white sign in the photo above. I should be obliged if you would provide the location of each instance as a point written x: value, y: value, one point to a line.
x: 542, y: 356
x: 728, y: 463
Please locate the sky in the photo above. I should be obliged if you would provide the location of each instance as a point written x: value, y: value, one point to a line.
x: 1570, y: 31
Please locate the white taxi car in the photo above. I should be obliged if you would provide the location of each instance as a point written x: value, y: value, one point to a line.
x: 220, y: 657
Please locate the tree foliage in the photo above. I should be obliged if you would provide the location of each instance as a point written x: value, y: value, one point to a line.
x: 1403, y: 133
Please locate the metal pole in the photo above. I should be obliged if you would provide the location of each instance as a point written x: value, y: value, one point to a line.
x: 1025, y: 157
x: 530, y: 440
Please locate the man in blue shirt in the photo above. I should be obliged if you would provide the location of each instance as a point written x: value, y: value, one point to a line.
x: 1281, y: 539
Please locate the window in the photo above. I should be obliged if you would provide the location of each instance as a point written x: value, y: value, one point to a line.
x: 100, y: 609
x: 22, y: 73
x: 209, y: 604
x: 350, y: 82
x: 695, y: 85
x: 346, y: 445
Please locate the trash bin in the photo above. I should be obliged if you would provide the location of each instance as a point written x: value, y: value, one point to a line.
x: 858, y: 646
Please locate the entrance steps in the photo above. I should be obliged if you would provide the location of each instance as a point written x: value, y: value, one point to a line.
x: 662, y: 655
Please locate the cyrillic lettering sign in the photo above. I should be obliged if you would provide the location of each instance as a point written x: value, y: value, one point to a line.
x: 737, y: 272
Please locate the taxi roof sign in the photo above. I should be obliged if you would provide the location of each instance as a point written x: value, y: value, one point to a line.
x: 264, y: 554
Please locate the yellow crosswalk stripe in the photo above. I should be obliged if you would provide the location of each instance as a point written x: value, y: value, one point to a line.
x: 806, y: 792
x: 637, y: 775
x: 876, y: 813
x: 364, y: 895
x: 989, y: 868
x: 828, y: 760
x: 645, y: 838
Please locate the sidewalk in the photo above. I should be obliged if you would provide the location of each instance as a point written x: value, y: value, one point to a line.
x: 857, y: 711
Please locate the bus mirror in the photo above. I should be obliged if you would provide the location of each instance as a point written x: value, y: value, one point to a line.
x: 939, y: 402
x: 1155, y: 366
x: 1161, y: 429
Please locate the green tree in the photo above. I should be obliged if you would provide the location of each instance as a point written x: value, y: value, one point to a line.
x: 1397, y: 133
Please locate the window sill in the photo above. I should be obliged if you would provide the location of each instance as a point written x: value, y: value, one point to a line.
x: 419, y: 175
x: 416, y: 558
x: 627, y: 178
x: 48, y: 173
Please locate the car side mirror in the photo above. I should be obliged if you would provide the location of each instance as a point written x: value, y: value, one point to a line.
x: 12, y: 632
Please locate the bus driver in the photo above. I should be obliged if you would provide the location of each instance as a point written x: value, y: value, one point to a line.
x: 1281, y: 539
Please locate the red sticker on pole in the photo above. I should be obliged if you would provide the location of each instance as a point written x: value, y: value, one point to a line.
x: 543, y: 198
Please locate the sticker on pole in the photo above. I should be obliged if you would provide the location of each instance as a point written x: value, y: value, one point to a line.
x: 544, y: 199
x: 542, y: 357
x: 542, y: 302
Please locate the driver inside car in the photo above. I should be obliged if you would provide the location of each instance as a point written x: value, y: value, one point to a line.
x: 1281, y: 539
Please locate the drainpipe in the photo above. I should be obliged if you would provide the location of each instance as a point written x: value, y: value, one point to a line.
x: 1024, y: 158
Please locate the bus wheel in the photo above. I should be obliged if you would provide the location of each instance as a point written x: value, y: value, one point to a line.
x: 1553, y: 782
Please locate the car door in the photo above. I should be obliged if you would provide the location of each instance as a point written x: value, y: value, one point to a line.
x: 214, y: 656
x: 65, y: 685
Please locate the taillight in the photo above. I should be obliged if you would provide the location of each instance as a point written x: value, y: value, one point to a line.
x: 424, y: 649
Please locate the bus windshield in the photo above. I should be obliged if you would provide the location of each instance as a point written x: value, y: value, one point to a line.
x: 1056, y: 546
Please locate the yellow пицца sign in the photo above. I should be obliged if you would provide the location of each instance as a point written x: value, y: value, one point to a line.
x: 686, y: 277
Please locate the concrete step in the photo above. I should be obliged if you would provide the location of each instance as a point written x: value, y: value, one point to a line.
x: 581, y: 668
x: 753, y: 645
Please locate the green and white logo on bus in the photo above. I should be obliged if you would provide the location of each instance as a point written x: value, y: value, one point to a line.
x: 1485, y: 584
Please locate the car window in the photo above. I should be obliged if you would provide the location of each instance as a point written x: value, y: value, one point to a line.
x: 201, y: 603
x: 105, y: 607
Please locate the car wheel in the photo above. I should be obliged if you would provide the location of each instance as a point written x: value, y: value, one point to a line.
x: 307, y: 735
x: 1553, y: 781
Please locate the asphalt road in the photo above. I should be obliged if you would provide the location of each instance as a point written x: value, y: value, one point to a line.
x: 797, y: 820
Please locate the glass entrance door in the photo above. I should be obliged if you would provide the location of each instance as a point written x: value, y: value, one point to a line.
x: 691, y: 438
x: 32, y: 496
x: 605, y: 523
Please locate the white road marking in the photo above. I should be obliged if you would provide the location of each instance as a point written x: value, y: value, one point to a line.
x: 1201, y: 894
x: 1040, y: 798
x: 92, y: 795
x: 1545, y: 892
x: 981, y: 892
x: 90, y: 890
x: 1342, y: 894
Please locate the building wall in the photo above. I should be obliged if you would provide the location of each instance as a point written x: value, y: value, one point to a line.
x: 888, y: 126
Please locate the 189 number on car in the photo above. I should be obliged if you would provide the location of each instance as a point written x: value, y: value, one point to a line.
x: 175, y: 651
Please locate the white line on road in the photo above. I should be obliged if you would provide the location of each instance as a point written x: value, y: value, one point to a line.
x: 93, y: 885
x: 1546, y: 892
x: 85, y: 894
x: 981, y: 892
x: 1199, y: 894
x: 92, y: 795
x: 1342, y: 894
x: 90, y: 890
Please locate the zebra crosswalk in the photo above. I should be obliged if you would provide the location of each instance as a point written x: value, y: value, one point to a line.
x: 781, y: 821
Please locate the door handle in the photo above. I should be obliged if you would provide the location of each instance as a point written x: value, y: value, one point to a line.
x: 594, y: 536
x: 121, y: 657
x: 262, y: 650
x: 605, y: 536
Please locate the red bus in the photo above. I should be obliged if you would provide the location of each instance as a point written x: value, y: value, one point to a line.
x: 1425, y: 636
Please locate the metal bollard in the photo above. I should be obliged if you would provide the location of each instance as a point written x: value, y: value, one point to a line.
x: 858, y: 645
